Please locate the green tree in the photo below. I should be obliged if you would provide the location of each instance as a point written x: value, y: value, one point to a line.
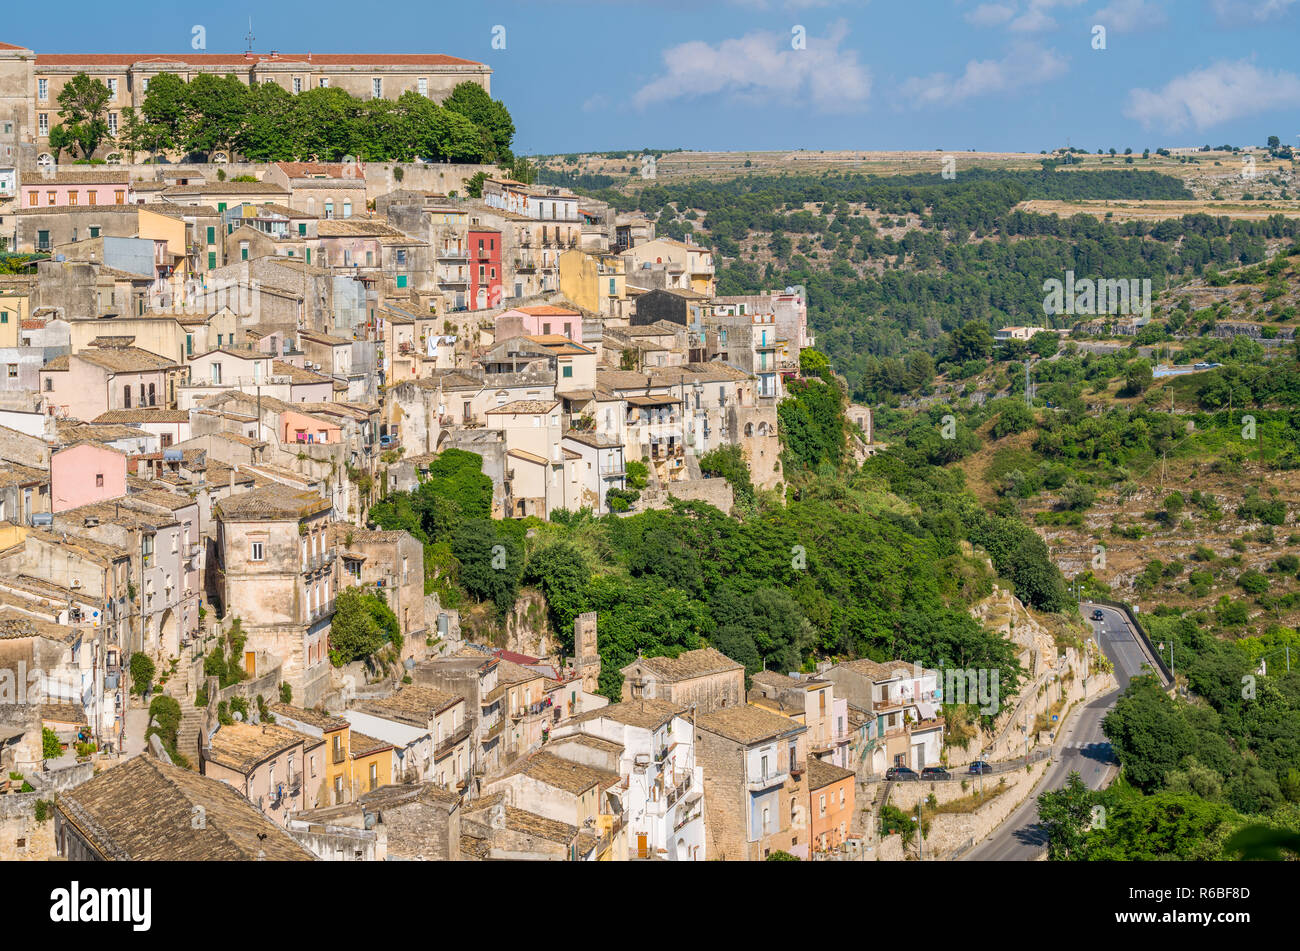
x: 51, y: 748
x: 354, y: 631
x: 1065, y: 814
x: 60, y: 141
x: 165, y: 112
x: 1138, y: 377
x: 142, y: 672
x: 490, y: 116
x: 215, y: 108
x: 83, y: 104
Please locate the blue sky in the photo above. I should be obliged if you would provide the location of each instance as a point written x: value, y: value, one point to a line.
x: 725, y: 74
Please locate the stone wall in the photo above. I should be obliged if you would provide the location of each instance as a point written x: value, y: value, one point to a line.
x: 22, y: 837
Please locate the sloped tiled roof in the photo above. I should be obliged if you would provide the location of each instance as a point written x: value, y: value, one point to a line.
x: 684, y: 666
x: 110, y: 813
x: 272, y: 501
x: 746, y: 724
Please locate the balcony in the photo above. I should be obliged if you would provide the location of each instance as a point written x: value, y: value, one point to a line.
x: 451, y: 742
x: 616, y: 471
x: 453, y: 254
x: 317, y: 562
x: 761, y: 781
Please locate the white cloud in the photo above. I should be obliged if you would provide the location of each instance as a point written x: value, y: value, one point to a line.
x: 1022, y: 67
x: 1215, y: 94
x: 1126, y: 16
x: 763, y: 66
x: 1234, y: 11
x: 990, y: 14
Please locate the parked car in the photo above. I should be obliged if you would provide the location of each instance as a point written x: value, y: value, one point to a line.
x: 1097, y: 615
x: 935, y: 772
x: 900, y: 774
x: 979, y: 766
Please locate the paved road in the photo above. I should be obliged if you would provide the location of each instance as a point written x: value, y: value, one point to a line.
x: 1082, y: 749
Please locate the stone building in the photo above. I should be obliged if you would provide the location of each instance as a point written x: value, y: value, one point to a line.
x: 706, y: 679
x: 755, y: 799
x: 275, y: 571
x: 191, y: 818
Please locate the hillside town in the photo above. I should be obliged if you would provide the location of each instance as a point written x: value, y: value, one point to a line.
x: 213, y: 372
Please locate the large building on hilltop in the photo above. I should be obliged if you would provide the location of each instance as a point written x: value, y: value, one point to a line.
x: 30, y: 82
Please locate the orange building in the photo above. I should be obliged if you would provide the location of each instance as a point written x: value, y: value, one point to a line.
x: 830, y: 804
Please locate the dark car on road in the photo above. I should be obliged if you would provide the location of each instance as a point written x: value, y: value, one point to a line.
x: 979, y: 766
x: 900, y: 774
x: 935, y: 772
x: 1098, y: 616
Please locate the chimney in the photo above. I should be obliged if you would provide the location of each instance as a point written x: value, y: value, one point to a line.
x: 232, y: 480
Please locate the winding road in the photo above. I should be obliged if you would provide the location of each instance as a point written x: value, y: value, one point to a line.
x: 1082, y: 748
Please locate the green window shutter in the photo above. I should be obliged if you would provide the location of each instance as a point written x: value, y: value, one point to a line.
x: 401, y: 280
x: 212, y: 260
x: 309, y: 255
x: 302, y: 228
x: 221, y: 206
x: 94, y: 231
x: 212, y: 235
x: 568, y: 371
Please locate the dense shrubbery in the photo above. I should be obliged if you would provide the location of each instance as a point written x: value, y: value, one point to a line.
x: 266, y: 123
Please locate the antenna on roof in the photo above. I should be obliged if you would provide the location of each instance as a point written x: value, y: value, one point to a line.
x: 249, y: 35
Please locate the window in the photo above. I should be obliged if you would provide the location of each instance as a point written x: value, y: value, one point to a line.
x: 377, y: 88
x: 821, y: 805
x: 325, y: 82
x: 49, y: 197
x: 43, y: 123
x: 112, y: 123
x: 212, y: 260
x: 422, y: 86
x: 243, y: 250
x: 212, y: 235
x: 112, y: 88
x: 92, y: 198
x: 94, y: 229
x: 119, y: 196
x: 302, y: 229
x: 568, y: 372
x: 42, y: 89
x: 401, y: 280
x: 13, y: 371
x: 72, y: 197
x: 767, y: 818
x: 99, y: 480
x: 144, y: 84
x: 338, y: 790
x: 257, y: 552
x: 297, y: 85
x: 33, y: 197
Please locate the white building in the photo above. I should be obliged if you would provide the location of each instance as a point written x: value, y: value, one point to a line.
x: 662, y: 788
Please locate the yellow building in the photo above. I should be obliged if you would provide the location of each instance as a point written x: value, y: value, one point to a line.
x: 15, y: 305
x: 371, y: 763
x: 353, y: 763
x: 594, y: 282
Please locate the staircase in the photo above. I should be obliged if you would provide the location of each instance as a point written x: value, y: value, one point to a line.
x: 182, y: 689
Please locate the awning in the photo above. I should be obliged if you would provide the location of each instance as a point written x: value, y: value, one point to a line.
x: 927, y: 709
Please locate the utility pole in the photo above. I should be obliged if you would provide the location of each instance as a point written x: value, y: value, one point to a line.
x: 920, y: 835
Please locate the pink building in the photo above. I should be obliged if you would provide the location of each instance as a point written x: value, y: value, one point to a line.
x: 299, y: 427
x: 76, y: 189
x: 86, y: 473
x: 544, y: 320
